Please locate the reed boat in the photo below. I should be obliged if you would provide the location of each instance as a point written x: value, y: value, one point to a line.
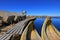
x: 30, y: 33
x: 49, y: 32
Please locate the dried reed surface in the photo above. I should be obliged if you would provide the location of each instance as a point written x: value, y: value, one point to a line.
x: 49, y: 32
x: 30, y: 33
x: 15, y: 37
x: 5, y: 29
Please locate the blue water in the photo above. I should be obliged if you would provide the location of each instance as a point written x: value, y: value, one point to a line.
x: 39, y: 22
x: 56, y: 23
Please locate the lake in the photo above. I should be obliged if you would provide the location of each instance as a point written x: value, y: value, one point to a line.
x: 39, y: 22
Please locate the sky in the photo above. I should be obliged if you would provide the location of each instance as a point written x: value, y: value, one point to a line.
x: 33, y: 7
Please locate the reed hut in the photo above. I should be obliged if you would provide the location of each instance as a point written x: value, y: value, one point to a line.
x: 0, y: 20
x: 7, y: 16
x: 10, y: 19
x: 19, y: 16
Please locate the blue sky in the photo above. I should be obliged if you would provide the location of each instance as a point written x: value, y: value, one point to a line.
x: 33, y: 7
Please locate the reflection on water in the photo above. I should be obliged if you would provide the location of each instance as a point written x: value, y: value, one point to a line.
x: 39, y: 22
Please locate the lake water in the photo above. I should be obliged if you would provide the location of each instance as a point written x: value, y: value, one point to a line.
x: 39, y: 22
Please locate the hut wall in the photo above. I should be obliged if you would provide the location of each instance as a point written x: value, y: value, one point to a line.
x: 0, y: 20
x: 10, y: 19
